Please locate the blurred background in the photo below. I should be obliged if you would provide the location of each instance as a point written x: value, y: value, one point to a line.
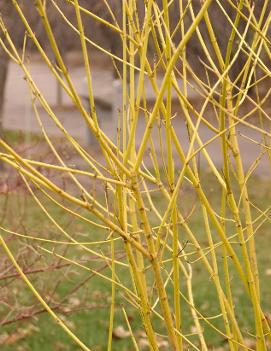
x: 15, y: 107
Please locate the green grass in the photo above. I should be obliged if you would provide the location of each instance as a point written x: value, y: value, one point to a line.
x: 91, y: 321
x: 18, y: 137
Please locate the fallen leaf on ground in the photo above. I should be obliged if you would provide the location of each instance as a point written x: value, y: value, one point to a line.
x: 120, y: 333
x: 74, y: 301
x: 60, y: 346
x: 163, y: 344
x: 251, y: 343
x: 143, y: 344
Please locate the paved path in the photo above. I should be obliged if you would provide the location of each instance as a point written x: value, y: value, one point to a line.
x: 18, y: 114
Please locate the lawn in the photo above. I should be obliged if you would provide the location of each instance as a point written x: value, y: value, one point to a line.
x: 83, y: 299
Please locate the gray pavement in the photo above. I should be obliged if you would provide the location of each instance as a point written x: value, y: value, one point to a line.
x: 18, y: 113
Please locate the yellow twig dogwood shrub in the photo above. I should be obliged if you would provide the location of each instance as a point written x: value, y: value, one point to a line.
x: 206, y: 65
